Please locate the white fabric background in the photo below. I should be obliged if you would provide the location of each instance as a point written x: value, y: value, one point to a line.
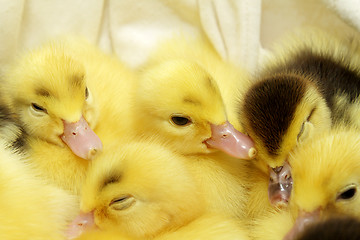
x: 131, y: 28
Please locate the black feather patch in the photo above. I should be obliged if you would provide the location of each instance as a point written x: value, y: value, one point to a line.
x: 333, y: 76
x: 270, y: 107
x: 8, y: 120
x: 19, y: 145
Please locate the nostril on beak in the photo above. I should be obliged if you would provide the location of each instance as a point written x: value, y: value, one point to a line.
x: 277, y: 169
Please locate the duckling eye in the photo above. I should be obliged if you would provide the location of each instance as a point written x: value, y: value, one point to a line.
x: 180, y: 120
x: 122, y: 203
x: 348, y: 194
x: 301, y: 131
x: 86, y: 93
x: 38, y: 108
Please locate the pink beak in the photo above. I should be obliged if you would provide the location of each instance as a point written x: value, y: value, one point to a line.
x: 82, y: 141
x: 82, y: 223
x: 280, y: 185
x: 226, y: 138
x: 302, y: 222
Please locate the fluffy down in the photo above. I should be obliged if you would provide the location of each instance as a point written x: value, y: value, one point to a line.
x: 140, y: 189
x: 326, y: 179
x: 179, y: 102
x: 31, y: 209
x: 62, y: 82
x: 182, y: 64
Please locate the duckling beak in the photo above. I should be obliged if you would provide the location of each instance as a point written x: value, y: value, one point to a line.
x: 82, y: 141
x: 226, y: 138
x: 280, y: 185
x: 302, y: 222
x: 82, y: 223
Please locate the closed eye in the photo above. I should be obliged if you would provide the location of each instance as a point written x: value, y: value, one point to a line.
x: 122, y: 203
x: 37, y: 108
x: 86, y: 93
x: 303, y: 124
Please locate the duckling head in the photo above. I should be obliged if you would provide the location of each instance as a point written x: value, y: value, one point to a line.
x: 180, y: 101
x: 141, y: 189
x: 47, y: 91
x: 326, y: 175
x: 280, y: 113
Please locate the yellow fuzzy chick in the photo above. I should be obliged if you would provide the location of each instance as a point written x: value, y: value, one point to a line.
x: 232, y: 81
x: 310, y: 85
x: 46, y: 89
x: 66, y: 95
x: 140, y: 189
x: 325, y: 173
x: 179, y: 101
x: 31, y: 209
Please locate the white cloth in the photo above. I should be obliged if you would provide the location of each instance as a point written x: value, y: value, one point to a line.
x: 131, y: 29
x: 347, y: 9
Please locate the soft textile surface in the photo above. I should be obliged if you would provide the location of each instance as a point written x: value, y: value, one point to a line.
x: 131, y: 29
x: 347, y: 9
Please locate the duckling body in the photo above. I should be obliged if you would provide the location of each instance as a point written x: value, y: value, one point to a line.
x: 208, y: 226
x: 141, y: 189
x: 135, y: 193
x: 30, y: 208
x: 61, y: 87
x: 179, y: 101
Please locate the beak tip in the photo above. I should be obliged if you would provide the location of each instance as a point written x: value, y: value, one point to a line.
x: 252, y: 152
x: 92, y: 153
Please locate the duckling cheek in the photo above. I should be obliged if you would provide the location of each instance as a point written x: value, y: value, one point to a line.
x: 82, y: 223
x: 82, y: 141
x: 229, y: 140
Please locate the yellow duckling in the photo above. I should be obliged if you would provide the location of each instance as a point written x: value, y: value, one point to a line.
x: 326, y: 177
x: 140, y: 189
x: 31, y: 209
x: 231, y: 80
x: 179, y: 101
x: 325, y: 173
x: 65, y: 94
x: 310, y: 85
x: 46, y: 89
